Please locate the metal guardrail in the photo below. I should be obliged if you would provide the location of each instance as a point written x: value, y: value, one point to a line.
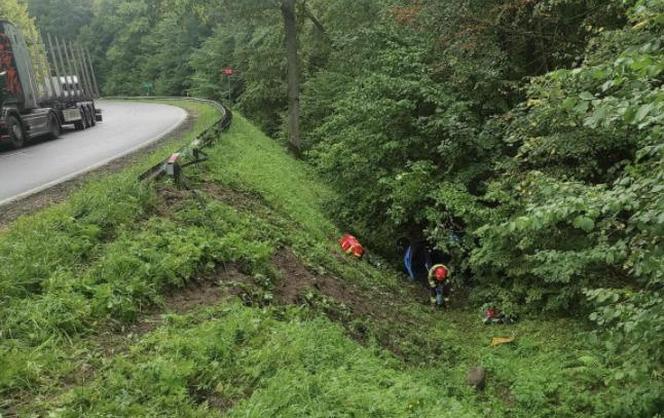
x: 171, y: 165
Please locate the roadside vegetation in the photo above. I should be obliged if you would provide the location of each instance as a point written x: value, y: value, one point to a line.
x: 234, y: 301
x: 522, y: 138
x: 63, y: 269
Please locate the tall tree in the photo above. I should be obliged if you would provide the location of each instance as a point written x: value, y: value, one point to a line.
x: 290, y: 27
x: 61, y: 18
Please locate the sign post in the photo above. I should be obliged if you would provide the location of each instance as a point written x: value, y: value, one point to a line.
x: 148, y: 88
x: 228, y: 72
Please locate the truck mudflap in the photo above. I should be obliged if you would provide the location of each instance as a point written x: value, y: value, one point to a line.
x: 98, y: 116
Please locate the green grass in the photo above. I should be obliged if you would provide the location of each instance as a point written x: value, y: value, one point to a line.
x: 250, y: 161
x: 48, y: 285
x: 110, y: 254
x: 256, y: 363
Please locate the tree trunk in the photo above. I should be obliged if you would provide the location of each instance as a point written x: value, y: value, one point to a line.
x: 314, y: 19
x: 290, y: 24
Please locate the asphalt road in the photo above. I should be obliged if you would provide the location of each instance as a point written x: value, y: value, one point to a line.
x: 127, y: 126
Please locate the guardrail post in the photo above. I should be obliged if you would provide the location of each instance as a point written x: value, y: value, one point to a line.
x: 173, y: 168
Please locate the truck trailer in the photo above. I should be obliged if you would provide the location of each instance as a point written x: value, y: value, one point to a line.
x: 34, y: 104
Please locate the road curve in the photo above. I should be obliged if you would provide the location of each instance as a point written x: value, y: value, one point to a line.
x: 127, y: 126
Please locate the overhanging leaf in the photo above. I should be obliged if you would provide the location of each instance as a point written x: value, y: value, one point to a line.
x: 584, y: 223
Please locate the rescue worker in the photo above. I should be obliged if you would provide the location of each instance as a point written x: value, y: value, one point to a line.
x: 438, y: 280
x: 426, y: 265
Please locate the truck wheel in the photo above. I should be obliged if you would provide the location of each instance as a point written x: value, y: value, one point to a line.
x: 93, y: 119
x: 54, y: 128
x: 91, y: 116
x: 83, y: 123
x: 84, y: 113
x: 16, y: 132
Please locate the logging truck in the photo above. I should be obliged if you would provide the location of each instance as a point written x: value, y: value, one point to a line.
x: 39, y: 100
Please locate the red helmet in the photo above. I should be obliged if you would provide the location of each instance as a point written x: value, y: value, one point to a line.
x: 440, y: 273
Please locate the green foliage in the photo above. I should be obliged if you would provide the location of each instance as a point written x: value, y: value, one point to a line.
x: 263, y: 168
x: 64, y: 237
x: 294, y: 367
x: 604, y: 208
x: 585, y: 224
x: 523, y: 138
x: 171, y: 76
x: 67, y: 269
x: 255, y: 53
x: 136, y: 42
x: 630, y: 324
x: 71, y: 351
x: 393, y: 131
x: 61, y: 18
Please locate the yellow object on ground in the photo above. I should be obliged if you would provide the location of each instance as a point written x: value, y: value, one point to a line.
x: 496, y: 341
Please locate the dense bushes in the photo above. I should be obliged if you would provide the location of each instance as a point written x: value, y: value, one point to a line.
x: 550, y: 204
x: 393, y: 131
x: 587, y: 177
x: 549, y: 198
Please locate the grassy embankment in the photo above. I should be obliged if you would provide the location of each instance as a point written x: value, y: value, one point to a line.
x: 134, y: 301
